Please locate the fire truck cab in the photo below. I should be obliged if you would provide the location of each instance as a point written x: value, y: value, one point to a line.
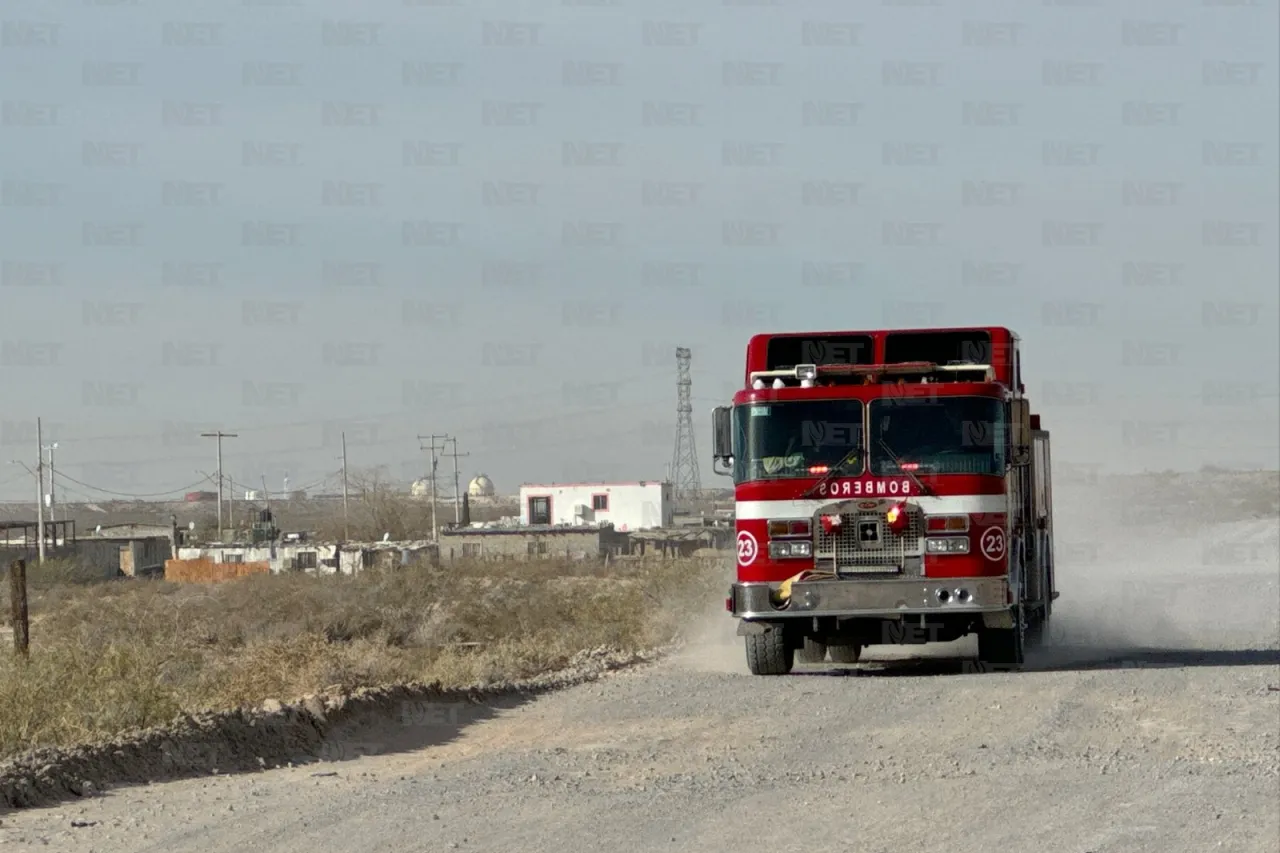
x: 891, y: 487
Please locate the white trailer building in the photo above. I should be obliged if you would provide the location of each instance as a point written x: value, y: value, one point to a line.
x: 627, y: 506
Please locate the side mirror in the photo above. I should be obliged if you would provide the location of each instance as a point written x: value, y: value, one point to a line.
x: 722, y: 439
x: 1020, y: 432
x: 722, y: 432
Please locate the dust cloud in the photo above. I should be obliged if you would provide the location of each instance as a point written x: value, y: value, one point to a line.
x: 1176, y: 563
x: 711, y: 640
x: 1148, y: 566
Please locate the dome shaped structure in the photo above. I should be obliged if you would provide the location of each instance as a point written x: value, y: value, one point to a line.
x: 480, y: 487
x: 420, y: 488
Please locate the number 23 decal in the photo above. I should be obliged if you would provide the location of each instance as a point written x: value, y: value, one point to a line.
x: 991, y: 543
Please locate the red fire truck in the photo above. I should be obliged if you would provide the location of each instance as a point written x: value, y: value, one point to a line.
x: 891, y: 487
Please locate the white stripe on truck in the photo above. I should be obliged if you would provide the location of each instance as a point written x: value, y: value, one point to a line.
x: 957, y: 504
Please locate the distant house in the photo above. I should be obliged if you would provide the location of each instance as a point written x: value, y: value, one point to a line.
x: 564, y: 543
x: 130, y: 555
x: 639, y: 505
x: 315, y: 557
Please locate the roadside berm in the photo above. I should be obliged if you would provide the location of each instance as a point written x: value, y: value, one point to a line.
x: 278, y: 734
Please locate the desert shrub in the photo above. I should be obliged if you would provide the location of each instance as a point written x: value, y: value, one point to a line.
x: 109, y: 656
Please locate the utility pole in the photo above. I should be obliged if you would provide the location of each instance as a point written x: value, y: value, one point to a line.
x: 53, y: 486
x: 434, y: 449
x: 346, y: 532
x: 457, y: 489
x: 219, y: 435
x: 40, y: 488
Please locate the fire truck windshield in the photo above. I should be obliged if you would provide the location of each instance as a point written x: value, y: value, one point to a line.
x: 774, y: 441
x: 940, y: 435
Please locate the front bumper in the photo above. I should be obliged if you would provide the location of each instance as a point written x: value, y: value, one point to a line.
x: 871, y: 598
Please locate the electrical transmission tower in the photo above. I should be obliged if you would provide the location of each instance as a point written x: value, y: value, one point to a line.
x: 684, y: 459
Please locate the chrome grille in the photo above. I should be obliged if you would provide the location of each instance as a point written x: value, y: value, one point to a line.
x: 844, y: 550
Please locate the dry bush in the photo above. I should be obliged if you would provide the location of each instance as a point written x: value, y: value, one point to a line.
x: 109, y: 656
x: 377, y: 506
x: 60, y: 571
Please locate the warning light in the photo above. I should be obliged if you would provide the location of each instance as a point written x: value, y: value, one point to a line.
x: 896, y: 518
x: 819, y: 469
x: 910, y: 466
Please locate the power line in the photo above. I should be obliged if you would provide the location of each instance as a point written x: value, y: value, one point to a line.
x: 62, y: 476
x: 397, y: 415
x: 294, y: 449
x: 233, y: 483
x: 15, y: 478
x: 562, y: 441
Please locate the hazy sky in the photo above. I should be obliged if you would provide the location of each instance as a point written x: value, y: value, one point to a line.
x: 498, y: 219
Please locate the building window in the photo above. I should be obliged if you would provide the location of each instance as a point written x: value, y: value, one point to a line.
x: 536, y: 547
x: 471, y: 549
x: 366, y: 558
x: 540, y: 510
x: 305, y: 560
x: 233, y: 558
x: 600, y: 503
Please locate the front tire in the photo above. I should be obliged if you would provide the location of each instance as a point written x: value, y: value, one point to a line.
x: 1003, y: 648
x: 811, y: 652
x: 769, y: 653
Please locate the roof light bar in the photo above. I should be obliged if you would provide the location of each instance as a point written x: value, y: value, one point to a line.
x: 808, y: 374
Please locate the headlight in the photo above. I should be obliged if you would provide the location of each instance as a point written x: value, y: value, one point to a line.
x: 786, y: 550
x: 947, y: 545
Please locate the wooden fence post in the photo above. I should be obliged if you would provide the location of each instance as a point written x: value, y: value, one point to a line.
x: 18, y: 603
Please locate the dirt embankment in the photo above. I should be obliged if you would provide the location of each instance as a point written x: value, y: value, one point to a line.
x: 137, y: 681
x: 273, y: 735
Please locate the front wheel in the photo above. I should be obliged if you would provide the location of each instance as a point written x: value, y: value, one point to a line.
x: 1003, y: 648
x: 769, y: 653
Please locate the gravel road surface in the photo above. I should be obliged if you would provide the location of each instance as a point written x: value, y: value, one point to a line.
x: 1149, y: 724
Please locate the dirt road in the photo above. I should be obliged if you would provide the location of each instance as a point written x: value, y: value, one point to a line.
x: 1149, y: 725
x: 1106, y: 759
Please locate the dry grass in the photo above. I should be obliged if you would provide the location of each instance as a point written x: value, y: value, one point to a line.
x: 110, y: 656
